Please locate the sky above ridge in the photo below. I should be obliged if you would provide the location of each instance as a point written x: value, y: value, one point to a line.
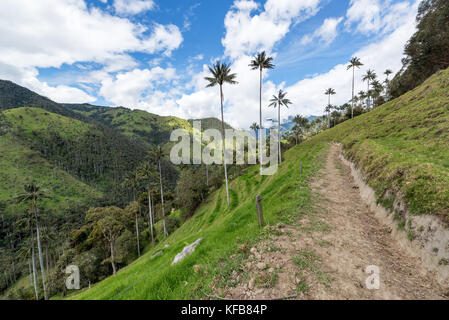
x: 153, y: 54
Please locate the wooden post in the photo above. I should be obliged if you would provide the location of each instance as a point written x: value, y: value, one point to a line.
x: 259, y: 210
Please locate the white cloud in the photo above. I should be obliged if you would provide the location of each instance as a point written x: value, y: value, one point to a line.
x: 247, y: 32
x: 130, y: 7
x: 377, y: 16
x: 50, y: 33
x: 308, y: 94
x: 325, y: 34
x: 128, y: 89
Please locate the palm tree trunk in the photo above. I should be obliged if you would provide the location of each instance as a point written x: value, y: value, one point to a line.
x: 260, y: 124
x: 114, y: 270
x: 352, y: 105
x: 31, y: 273
x: 137, y: 233
x: 150, y: 212
x: 162, y: 200
x: 39, y: 248
x: 33, y: 259
x: 279, y: 133
x: 367, y: 98
x: 224, y: 145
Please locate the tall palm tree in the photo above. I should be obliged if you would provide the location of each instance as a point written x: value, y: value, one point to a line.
x: 146, y: 173
x: 387, y: 73
x: 32, y: 194
x: 378, y: 88
x: 221, y: 74
x: 131, y: 180
x: 158, y: 155
x: 260, y: 62
x: 369, y: 76
x: 277, y: 102
x: 329, y: 92
x: 361, y: 96
x: 353, y: 63
x: 300, y: 125
x: 255, y: 127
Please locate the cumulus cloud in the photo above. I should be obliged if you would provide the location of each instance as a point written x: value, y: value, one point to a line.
x: 377, y: 16
x: 325, y: 34
x: 129, y: 88
x: 50, y: 33
x: 247, y: 32
x: 130, y: 7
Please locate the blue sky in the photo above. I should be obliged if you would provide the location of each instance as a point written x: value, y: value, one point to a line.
x: 153, y: 54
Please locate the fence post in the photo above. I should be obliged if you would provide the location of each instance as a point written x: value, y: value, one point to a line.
x: 259, y: 210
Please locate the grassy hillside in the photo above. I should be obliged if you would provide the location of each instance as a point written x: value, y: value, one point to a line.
x: 286, y: 195
x: 147, y: 128
x: 403, y: 146
x: 15, y: 96
x: 19, y: 164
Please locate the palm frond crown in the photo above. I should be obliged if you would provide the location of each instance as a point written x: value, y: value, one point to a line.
x: 261, y: 61
x: 221, y: 74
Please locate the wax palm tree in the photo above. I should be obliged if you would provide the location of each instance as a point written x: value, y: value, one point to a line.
x: 146, y: 172
x: 277, y: 102
x: 329, y: 92
x: 33, y: 193
x: 328, y: 110
x: 24, y: 223
x: 377, y: 90
x: 158, y: 155
x: 131, y: 181
x: 260, y: 62
x: 221, y: 74
x: 300, y: 125
x: 387, y: 73
x: 369, y: 76
x: 361, y: 96
x: 255, y: 127
x: 353, y: 63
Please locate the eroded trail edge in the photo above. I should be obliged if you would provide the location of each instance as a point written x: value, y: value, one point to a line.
x: 325, y: 254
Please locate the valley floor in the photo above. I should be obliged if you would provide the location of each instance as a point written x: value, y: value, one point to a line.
x: 325, y: 253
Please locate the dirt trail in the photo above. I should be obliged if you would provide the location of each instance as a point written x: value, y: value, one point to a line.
x: 326, y: 253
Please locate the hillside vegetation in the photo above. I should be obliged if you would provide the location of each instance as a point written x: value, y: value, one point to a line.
x: 223, y: 230
x: 402, y: 146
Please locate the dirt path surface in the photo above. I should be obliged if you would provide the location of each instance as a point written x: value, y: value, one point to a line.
x: 326, y: 254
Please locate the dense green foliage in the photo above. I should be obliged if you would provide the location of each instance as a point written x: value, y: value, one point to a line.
x: 428, y: 49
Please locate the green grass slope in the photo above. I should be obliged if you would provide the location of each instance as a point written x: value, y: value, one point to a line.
x: 19, y: 165
x: 147, y: 128
x: 403, y: 147
x: 285, y: 195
